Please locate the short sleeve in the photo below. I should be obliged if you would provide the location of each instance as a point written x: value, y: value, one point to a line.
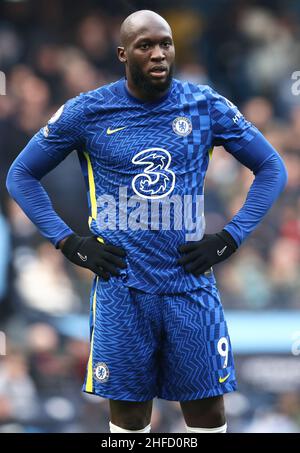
x: 229, y: 127
x: 65, y: 130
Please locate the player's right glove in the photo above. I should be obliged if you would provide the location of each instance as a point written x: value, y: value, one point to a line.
x: 91, y: 252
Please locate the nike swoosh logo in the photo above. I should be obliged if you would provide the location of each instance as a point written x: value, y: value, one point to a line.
x: 220, y: 252
x: 112, y: 131
x: 221, y: 380
x: 83, y: 258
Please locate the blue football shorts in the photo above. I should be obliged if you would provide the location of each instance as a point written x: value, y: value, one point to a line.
x: 172, y: 346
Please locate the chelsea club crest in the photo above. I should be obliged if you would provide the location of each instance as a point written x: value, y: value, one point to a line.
x: 182, y: 126
x: 101, y: 372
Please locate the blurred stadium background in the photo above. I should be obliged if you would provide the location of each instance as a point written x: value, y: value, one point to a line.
x: 51, y: 51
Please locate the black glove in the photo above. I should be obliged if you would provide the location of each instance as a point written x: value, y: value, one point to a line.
x: 91, y: 252
x: 212, y: 249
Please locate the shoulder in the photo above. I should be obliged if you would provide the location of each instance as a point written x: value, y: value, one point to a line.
x: 217, y: 103
x: 99, y: 97
x: 195, y: 91
x: 74, y: 111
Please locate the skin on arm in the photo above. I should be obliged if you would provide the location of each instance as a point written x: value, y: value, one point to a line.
x: 61, y: 243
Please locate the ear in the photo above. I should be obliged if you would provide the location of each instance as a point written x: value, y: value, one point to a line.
x: 122, y: 54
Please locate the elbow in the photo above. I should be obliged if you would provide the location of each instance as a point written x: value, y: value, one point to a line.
x: 275, y: 168
x: 10, y: 181
x: 283, y: 174
x: 14, y: 179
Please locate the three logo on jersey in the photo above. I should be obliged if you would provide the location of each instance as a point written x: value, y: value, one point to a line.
x: 154, y: 205
x: 157, y: 179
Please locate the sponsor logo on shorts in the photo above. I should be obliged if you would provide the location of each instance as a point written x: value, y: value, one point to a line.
x: 101, y: 372
x: 221, y: 380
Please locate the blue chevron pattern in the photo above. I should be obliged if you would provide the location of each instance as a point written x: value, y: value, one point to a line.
x: 138, y: 126
x: 164, y: 346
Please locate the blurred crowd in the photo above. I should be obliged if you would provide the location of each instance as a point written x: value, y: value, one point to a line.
x: 51, y: 51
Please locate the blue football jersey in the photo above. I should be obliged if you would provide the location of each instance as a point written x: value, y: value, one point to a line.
x: 144, y: 164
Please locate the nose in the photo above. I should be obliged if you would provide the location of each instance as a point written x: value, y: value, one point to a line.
x: 157, y: 54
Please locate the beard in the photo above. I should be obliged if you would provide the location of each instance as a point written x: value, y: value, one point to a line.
x: 144, y: 83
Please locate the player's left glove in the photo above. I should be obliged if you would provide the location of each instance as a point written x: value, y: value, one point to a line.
x: 212, y: 249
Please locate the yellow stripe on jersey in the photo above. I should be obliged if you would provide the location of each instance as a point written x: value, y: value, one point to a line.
x: 210, y: 152
x: 92, y: 189
x: 89, y: 378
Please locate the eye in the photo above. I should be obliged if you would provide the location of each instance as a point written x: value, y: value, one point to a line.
x: 166, y: 44
x: 144, y: 46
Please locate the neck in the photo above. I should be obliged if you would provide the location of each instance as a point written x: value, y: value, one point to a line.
x: 143, y: 95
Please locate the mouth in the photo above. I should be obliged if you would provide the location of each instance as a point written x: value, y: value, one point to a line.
x: 158, y: 72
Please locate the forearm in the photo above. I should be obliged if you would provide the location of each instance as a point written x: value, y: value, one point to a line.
x: 24, y: 186
x: 270, y: 180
